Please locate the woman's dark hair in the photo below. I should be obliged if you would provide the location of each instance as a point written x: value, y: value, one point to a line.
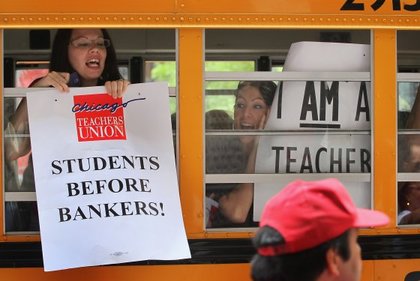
x: 266, y: 88
x: 288, y: 267
x: 59, y: 60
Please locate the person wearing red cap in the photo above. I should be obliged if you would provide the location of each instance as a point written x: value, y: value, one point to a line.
x: 308, y: 232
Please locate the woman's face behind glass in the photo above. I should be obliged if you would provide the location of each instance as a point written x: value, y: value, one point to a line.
x: 250, y: 111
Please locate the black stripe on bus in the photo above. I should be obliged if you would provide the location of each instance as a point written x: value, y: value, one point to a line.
x: 220, y: 251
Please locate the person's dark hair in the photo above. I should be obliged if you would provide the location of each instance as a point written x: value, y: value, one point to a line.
x: 266, y: 88
x: 59, y: 60
x: 288, y: 267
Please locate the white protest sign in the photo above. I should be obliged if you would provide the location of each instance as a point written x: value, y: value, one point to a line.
x: 321, y: 105
x: 105, y: 176
x: 315, y: 153
x: 319, y: 112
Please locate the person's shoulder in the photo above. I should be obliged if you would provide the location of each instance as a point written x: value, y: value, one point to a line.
x: 402, y: 215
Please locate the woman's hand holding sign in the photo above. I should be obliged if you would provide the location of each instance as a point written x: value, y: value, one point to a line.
x: 58, y: 80
x: 116, y: 88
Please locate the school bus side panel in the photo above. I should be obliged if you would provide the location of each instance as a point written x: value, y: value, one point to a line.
x: 227, y: 272
x: 206, y: 6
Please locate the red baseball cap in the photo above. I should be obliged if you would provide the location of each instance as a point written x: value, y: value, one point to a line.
x: 309, y: 213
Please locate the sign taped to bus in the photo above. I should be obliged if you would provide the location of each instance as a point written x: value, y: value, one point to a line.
x: 325, y: 125
x: 105, y: 177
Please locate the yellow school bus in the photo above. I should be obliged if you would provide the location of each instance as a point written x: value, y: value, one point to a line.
x: 203, y: 48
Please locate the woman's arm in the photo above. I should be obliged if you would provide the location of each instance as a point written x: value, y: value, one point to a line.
x: 236, y: 204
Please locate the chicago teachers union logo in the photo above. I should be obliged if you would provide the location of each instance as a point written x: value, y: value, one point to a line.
x: 99, y: 117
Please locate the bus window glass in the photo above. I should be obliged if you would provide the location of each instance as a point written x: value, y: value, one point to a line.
x: 277, y: 68
x: 160, y: 71
x: 408, y: 152
x: 22, y: 211
x: 233, y: 66
x: 408, y: 187
x: 263, y: 129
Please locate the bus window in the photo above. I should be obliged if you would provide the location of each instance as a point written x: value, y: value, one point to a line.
x: 232, y: 66
x: 220, y: 94
x: 408, y: 187
x: 412, y: 276
x: 277, y: 68
x: 155, y: 71
x: 26, y: 65
x: 20, y: 205
x: 309, y: 128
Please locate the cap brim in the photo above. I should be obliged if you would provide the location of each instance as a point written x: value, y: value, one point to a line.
x: 370, y: 218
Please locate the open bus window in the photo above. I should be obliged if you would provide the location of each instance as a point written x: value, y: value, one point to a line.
x: 156, y: 71
x: 20, y: 208
x: 165, y: 71
x: 310, y: 128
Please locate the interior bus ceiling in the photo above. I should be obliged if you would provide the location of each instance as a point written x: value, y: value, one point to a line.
x: 219, y: 43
